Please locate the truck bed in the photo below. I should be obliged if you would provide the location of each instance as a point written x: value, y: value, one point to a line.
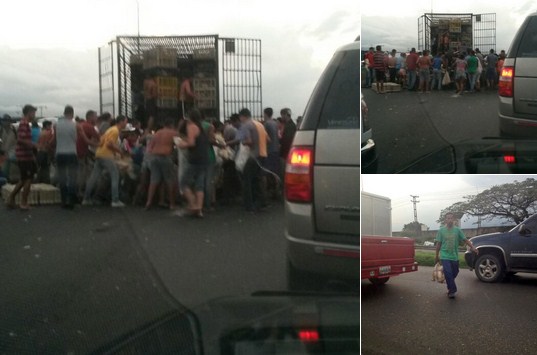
x: 386, y: 256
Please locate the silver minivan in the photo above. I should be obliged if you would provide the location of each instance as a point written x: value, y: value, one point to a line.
x: 322, y: 179
x: 517, y: 86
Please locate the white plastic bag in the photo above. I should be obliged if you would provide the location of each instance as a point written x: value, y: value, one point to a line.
x: 438, y: 273
x: 242, y: 157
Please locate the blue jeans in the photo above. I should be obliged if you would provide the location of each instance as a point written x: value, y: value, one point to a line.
x: 370, y: 76
x: 251, y: 184
x: 471, y: 79
x: 102, y: 164
x: 411, y: 79
x: 451, y: 270
x: 66, y: 170
x: 437, y: 79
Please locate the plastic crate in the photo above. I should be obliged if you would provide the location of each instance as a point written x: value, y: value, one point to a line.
x: 204, y: 83
x: 33, y: 196
x: 166, y: 82
x: 389, y: 87
x: 202, y: 104
x: 206, y: 94
x: 167, y: 102
x: 204, y: 53
x: 160, y: 57
x: 167, y: 92
x: 48, y: 194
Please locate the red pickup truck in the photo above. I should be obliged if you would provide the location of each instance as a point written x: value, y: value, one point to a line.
x: 384, y: 257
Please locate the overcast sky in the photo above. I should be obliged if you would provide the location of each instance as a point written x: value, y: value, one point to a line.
x: 48, y: 49
x: 394, y: 24
x: 435, y: 192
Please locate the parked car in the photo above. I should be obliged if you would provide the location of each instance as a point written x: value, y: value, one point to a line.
x: 504, y: 254
x: 517, y: 87
x: 322, y: 179
x: 368, y: 152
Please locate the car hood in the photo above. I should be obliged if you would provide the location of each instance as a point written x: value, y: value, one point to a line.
x: 267, y: 322
x: 486, y: 238
x: 488, y: 155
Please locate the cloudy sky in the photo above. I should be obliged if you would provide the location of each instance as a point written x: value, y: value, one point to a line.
x: 435, y: 192
x: 48, y: 49
x: 394, y: 24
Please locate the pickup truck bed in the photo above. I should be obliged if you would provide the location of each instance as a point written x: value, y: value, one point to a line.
x: 383, y: 257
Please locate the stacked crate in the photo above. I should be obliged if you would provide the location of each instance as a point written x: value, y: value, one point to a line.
x: 164, y: 60
x: 40, y: 194
x: 167, y: 91
x: 160, y: 57
x: 205, y: 89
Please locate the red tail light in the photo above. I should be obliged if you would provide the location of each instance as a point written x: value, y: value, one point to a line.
x: 298, y: 175
x: 506, y: 82
x: 308, y: 335
x: 509, y: 159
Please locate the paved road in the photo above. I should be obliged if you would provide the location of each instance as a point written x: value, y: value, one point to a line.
x: 412, y: 315
x: 408, y: 125
x: 73, y: 280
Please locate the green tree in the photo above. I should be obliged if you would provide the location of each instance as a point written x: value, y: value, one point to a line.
x: 513, y: 202
x: 412, y: 229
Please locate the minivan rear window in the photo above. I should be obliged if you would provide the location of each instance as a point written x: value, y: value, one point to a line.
x: 528, y: 42
x: 335, y: 103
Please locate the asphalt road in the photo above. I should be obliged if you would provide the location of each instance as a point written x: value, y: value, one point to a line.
x: 74, y: 280
x: 412, y: 315
x: 407, y: 125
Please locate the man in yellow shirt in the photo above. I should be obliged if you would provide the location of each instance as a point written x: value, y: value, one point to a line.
x: 104, y: 160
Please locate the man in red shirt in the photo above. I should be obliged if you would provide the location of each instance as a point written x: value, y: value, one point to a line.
x: 86, y: 157
x: 411, y: 66
x: 380, y: 69
x: 25, y: 158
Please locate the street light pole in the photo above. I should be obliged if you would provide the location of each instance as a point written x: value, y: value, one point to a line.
x: 138, y: 19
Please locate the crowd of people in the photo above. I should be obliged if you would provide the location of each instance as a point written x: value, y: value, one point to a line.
x: 104, y: 160
x: 466, y: 71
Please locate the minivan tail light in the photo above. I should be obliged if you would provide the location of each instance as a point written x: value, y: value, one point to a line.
x: 298, y: 175
x: 506, y: 82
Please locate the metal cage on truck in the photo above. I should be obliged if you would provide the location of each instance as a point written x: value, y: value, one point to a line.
x: 440, y: 32
x: 226, y: 70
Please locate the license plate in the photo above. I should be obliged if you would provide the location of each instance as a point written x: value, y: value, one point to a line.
x: 385, y: 270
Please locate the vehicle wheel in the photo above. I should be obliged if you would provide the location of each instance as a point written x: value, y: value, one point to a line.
x: 299, y: 280
x: 488, y: 268
x: 378, y: 281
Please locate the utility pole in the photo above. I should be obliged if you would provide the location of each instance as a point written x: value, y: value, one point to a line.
x: 415, y: 201
x: 41, y: 110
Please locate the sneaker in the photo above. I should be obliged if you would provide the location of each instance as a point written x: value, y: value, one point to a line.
x: 451, y: 295
x: 87, y: 202
x: 118, y: 204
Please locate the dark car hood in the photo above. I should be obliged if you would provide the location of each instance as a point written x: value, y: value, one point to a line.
x: 488, y: 155
x: 267, y: 322
x: 485, y: 238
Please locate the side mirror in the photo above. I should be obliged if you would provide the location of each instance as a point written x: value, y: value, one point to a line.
x: 522, y: 230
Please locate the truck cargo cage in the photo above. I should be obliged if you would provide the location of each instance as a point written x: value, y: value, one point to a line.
x: 456, y: 32
x: 226, y: 74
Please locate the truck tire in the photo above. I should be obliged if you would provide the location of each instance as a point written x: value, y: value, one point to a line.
x: 378, y: 281
x: 299, y: 280
x: 489, y: 268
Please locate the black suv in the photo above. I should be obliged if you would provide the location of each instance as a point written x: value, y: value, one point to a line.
x: 504, y: 254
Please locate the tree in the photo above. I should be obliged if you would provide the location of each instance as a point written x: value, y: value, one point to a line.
x: 512, y: 201
x: 412, y: 229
